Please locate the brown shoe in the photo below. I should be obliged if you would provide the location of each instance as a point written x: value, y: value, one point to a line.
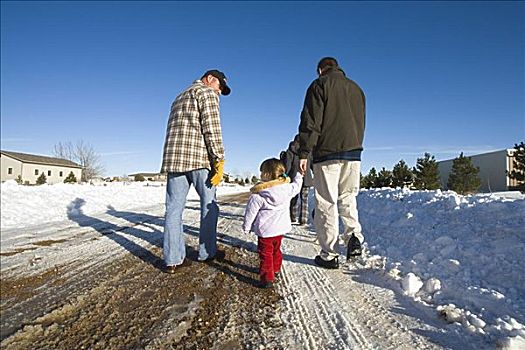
x: 174, y: 268
x: 170, y: 269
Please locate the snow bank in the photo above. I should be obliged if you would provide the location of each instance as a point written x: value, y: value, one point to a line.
x: 462, y: 254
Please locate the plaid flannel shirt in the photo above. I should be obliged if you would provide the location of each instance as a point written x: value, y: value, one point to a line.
x: 194, y: 135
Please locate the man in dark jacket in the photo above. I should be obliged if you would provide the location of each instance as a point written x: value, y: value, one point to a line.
x: 332, y: 130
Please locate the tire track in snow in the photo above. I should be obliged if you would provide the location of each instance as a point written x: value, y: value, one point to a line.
x: 371, y: 307
x: 307, y: 338
x: 321, y: 324
x: 346, y: 323
x: 328, y: 310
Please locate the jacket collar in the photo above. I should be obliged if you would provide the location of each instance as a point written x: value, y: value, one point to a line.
x: 268, y: 184
x: 336, y: 70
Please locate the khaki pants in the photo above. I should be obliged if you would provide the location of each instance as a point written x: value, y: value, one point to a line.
x: 336, y: 185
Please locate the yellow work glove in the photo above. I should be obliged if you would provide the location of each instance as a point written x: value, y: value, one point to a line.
x: 217, y: 172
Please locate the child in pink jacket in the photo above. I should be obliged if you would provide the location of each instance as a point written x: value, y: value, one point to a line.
x: 268, y: 216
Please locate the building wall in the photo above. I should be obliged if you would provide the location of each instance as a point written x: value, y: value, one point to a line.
x: 492, y: 171
x: 54, y: 173
x: 8, y: 164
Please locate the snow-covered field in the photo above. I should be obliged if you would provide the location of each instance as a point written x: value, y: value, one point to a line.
x: 461, y: 256
x: 24, y: 206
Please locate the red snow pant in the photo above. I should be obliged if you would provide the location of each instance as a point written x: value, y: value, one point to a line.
x: 270, y: 256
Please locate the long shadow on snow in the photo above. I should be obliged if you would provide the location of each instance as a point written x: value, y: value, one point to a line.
x: 112, y: 231
x: 232, y: 242
x: 250, y: 246
x: 222, y: 214
x: 407, y: 306
x: 309, y: 238
x: 141, y: 219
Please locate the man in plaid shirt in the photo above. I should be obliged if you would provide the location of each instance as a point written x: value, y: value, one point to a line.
x: 194, y: 154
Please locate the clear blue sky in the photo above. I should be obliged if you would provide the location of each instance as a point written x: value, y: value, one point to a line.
x: 440, y: 77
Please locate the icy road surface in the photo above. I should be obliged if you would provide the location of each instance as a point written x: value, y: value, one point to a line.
x: 102, y: 287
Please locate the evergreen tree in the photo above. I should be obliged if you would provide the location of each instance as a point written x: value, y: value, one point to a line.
x: 42, y: 179
x: 463, y: 178
x: 70, y: 179
x: 518, y: 164
x: 19, y: 180
x: 246, y: 181
x: 254, y: 179
x: 384, y: 178
x: 426, y: 173
x: 139, y: 177
x: 402, y: 175
x: 369, y: 181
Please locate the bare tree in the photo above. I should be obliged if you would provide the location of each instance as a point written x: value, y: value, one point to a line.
x: 82, y: 153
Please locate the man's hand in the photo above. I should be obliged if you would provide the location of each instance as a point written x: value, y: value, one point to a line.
x: 303, y: 163
x: 217, y: 172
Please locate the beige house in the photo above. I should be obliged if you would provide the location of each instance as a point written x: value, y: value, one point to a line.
x: 150, y: 176
x: 30, y: 167
x: 493, y: 169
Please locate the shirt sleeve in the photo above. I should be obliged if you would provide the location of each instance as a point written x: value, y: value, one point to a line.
x: 296, y: 184
x: 252, y: 208
x: 211, y: 123
x: 311, y: 119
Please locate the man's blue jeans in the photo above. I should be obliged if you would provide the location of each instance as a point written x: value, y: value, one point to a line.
x: 176, y: 193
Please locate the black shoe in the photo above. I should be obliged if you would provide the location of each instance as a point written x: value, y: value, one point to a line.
x: 327, y: 264
x: 219, y: 255
x: 354, y: 247
x: 265, y: 284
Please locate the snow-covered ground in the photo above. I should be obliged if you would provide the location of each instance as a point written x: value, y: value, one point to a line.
x: 461, y: 256
x: 25, y: 206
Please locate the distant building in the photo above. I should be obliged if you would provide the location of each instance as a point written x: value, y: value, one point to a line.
x: 493, y: 169
x: 29, y: 167
x: 97, y: 180
x: 149, y: 176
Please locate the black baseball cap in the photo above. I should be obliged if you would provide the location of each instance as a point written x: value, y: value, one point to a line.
x: 225, y: 89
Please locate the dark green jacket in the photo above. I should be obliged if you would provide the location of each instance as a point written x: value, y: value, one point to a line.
x: 333, y: 116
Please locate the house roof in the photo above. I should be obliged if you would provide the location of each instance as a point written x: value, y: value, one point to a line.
x: 35, y: 159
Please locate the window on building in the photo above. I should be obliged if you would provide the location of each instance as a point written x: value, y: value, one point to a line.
x: 10, y: 171
x: 36, y: 171
x: 49, y: 173
x: 60, y: 174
